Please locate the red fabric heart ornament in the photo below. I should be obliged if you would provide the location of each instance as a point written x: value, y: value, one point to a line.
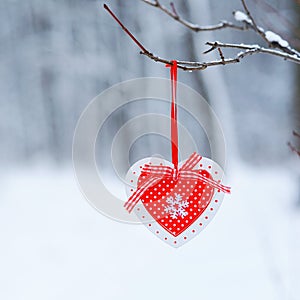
x: 175, y: 201
x: 175, y: 209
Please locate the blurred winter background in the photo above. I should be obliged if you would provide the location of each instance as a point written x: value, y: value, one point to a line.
x: 55, y: 56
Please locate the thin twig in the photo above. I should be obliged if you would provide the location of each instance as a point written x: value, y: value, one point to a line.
x: 259, y: 30
x: 296, y: 134
x: 174, y: 10
x: 221, y: 54
x: 197, y: 28
x: 125, y: 28
x: 293, y: 148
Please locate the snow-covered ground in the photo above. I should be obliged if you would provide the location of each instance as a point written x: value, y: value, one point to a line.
x: 54, y: 245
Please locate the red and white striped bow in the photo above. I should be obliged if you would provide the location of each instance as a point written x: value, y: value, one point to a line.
x: 154, y: 174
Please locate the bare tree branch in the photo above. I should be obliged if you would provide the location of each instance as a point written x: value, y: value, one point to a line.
x: 272, y: 39
x: 276, y: 45
x: 248, y: 23
x: 247, y: 50
x: 190, y: 65
x: 197, y: 28
x: 255, y: 49
x: 193, y: 66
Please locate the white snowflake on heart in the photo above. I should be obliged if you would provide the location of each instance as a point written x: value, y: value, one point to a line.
x: 176, y: 207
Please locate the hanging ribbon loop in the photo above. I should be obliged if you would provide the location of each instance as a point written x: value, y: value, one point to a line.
x: 153, y: 174
x: 174, y: 124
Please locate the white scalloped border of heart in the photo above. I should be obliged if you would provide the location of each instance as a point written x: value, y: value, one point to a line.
x: 194, y: 229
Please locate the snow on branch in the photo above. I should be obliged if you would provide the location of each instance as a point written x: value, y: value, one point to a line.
x: 253, y: 49
x: 276, y: 45
x: 242, y: 17
x: 272, y: 39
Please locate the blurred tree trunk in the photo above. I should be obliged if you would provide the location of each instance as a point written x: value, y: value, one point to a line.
x: 297, y: 97
x: 297, y: 80
x: 191, y: 53
x: 191, y: 50
x: 211, y: 83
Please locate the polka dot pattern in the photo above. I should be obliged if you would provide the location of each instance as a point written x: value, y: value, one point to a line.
x: 197, y: 194
x: 201, y: 211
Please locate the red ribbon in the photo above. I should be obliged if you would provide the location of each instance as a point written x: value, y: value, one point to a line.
x: 154, y: 174
x: 174, y: 125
